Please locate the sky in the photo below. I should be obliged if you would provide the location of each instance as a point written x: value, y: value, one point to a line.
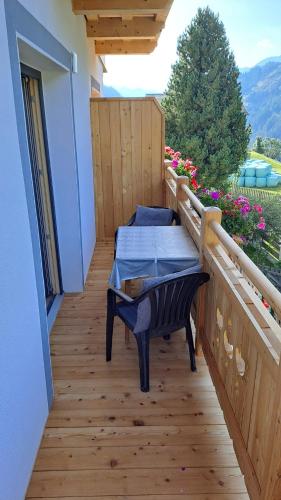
x: 253, y: 28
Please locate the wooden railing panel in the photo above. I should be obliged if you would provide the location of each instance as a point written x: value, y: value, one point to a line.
x: 261, y: 419
x: 128, y: 149
x: 116, y: 162
x: 241, y: 342
x: 106, y: 171
x: 228, y: 339
x: 171, y: 200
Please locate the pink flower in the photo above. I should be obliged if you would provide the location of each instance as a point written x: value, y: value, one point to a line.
x: 215, y: 195
x: 258, y: 209
x: 175, y: 163
x: 243, y: 199
x: 261, y: 225
x: 245, y: 209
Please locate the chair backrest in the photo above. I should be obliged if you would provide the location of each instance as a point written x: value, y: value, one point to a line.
x: 170, y: 302
x: 176, y: 217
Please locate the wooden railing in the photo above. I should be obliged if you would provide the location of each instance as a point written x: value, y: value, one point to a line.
x: 240, y: 338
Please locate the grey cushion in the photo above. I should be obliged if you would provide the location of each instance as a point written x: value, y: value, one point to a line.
x: 144, y: 307
x: 146, y: 216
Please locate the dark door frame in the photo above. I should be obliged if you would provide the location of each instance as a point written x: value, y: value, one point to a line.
x: 35, y: 74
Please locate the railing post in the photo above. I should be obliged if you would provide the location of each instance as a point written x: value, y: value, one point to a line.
x: 207, y: 237
x: 167, y: 163
x: 181, y: 195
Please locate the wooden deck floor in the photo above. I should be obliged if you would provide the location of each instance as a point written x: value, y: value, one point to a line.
x: 106, y: 440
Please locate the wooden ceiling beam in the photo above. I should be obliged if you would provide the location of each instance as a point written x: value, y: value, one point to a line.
x: 119, y: 47
x: 139, y: 28
x: 112, y: 8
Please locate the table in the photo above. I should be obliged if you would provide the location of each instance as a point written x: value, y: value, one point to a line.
x: 151, y: 251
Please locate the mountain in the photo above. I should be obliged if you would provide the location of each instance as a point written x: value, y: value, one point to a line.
x: 110, y: 92
x: 127, y: 92
x: 244, y: 70
x: 261, y: 89
x: 269, y: 59
x: 123, y: 92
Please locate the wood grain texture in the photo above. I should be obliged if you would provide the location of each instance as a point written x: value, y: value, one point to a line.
x: 241, y: 343
x: 128, y: 145
x: 105, y: 439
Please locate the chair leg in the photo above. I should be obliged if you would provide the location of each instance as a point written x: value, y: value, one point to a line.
x: 143, y: 349
x: 109, y: 327
x: 189, y: 339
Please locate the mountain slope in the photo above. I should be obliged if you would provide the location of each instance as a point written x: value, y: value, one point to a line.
x: 261, y: 89
x: 110, y: 92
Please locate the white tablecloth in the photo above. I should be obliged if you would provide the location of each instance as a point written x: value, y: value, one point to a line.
x: 152, y: 251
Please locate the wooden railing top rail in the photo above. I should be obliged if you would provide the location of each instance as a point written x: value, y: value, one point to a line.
x: 259, y: 280
x: 195, y: 202
x: 172, y: 173
x: 130, y: 99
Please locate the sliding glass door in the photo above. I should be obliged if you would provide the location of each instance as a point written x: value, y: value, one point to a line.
x: 33, y: 103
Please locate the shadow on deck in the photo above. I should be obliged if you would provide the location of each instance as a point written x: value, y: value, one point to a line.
x: 105, y: 439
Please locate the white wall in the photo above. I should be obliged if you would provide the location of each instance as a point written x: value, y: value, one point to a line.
x: 23, y: 395
x: 97, y: 64
x: 70, y: 30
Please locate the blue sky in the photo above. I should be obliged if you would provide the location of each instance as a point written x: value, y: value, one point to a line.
x: 252, y: 26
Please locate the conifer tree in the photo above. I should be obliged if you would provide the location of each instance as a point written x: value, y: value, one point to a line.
x: 205, y: 118
x: 259, y: 146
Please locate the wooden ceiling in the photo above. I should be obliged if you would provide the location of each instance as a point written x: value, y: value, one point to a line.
x: 123, y: 26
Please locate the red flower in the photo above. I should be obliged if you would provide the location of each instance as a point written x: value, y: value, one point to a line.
x: 194, y: 183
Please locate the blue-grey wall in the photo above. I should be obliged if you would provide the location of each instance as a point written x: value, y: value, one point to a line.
x: 25, y: 375
x: 23, y: 395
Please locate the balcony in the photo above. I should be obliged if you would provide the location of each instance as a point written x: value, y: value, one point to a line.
x: 211, y: 434
x: 106, y: 439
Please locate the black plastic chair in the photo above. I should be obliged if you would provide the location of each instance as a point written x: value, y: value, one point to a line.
x: 175, y: 219
x: 166, y: 308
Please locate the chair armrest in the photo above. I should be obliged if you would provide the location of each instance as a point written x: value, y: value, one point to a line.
x: 121, y: 295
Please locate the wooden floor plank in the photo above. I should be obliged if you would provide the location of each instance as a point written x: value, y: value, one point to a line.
x: 116, y: 401
x: 217, y: 496
x: 105, y: 439
x: 131, y: 436
x: 127, y: 417
x: 144, y: 481
x: 131, y: 457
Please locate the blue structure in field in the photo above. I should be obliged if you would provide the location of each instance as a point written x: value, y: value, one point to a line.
x: 258, y: 174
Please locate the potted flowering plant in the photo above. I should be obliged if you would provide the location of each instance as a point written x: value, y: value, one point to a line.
x: 182, y: 167
x: 241, y: 219
x: 170, y: 154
